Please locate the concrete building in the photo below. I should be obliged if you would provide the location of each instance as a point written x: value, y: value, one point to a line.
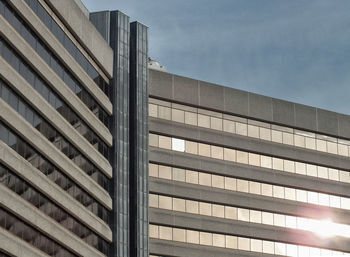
x: 55, y: 112
x: 105, y: 154
x: 234, y: 173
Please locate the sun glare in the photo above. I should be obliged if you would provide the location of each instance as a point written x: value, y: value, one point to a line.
x: 326, y: 228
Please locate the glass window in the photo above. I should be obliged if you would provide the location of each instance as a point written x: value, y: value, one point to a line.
x: 191, y: 118
x: 242, y: 186
x: 178, y: 144
x: 254, y: 159
x: 242, y: 157
x: 244, y: 244
x: 268, y: 247
x: 164, y: 172
x: 179, y: 205
x: 204, y: 179
x: 178, y: 115
x: 164, y: 112
x: 230, y: 184
x: 205, y: 209
x: 217, y: 152
x: 191, y: 147
x: 205, y: 238
x: 216, y: 123
x: 229, y: 155
x: 204, y: 150
x: 218, y: 240
x: 253, y: 131
x: 265, y: 134
x: 241, y: 129
x: 153, y: 110
x: 203, y: 121
x: 229, y: 126
x: 231, y: 213
x: 165, y: 142
x: 256, y: 245
x: 218, y: 211
x: 276, y: 136
x: 179, y: 235
x: 218, y: 181
x: 165, y: 202
x: 243, y: 214
x: 192, y: 237
x: 267, y: 218
x: 192, y: 207
x: 231, y: 242
x: 192, y: 177
x: 255, y: 216
x: 179, y: 174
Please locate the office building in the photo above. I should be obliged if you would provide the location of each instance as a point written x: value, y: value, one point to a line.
x: 234, y: 173
x: 102, y: 156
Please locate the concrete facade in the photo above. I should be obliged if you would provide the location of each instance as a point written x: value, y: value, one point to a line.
x: 205, y: 136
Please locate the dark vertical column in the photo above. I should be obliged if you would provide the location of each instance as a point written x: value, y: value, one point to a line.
x: 138, y: 140
x: 119, y: 41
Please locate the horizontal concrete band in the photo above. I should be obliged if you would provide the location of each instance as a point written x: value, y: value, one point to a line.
x: 171, y: 248
x: 232, y: 101
x: 47, y: 149
x: 248, y: 144
x: 245, y: 229
x: 44, y: 223
x: 54, y: 81
x: 14, y: 246
x: 245, y: 200
x: 47, y: 36
x: 85, y: 32
x: 244, y: 171
x: 15, y: 162
x: 51, y: 115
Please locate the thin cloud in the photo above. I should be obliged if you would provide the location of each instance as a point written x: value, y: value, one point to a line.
x: 294, y: 50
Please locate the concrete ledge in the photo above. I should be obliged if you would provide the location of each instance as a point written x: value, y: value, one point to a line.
x: 244, y: 171
x: 16, y: 247
x: 172, y: 248
x: 47, y: 111
x: 14, y: 161
x: 71, y: 15
x: 245, y: 229
x: 36, y: 139
x: 44, y: 223
x: 245, y: 200
x: 54, y: 81
x: 248, y: 144
x: 70, y: 63
x: 238, y: 102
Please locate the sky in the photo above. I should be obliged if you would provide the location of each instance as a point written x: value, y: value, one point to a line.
x: 296, y: 50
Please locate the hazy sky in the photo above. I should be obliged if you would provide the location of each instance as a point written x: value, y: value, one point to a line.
x: 295, y: 50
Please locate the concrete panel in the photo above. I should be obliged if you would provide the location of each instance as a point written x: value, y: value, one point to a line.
x: 236, y: 101
x: 47, y: 149
x: 14, y: 161
x: 43, y: 222
x: 70, y: 63
x: 211, y: 96
x: 327, y: 122
x: 160, y: 84
x: 244, y: 229
x: 244, y: 171
x: 171, y: 248
x: 260, y: 107
x: 85, y: 31
x: 15, y: 247
x: 186, y: 90
x: 55, y: 82
x: 344, y: 125
x: 257, y: 106
x: 305, y: 117
x: 283, y: 112
x: 245, y: 200
x: 60, y: 123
